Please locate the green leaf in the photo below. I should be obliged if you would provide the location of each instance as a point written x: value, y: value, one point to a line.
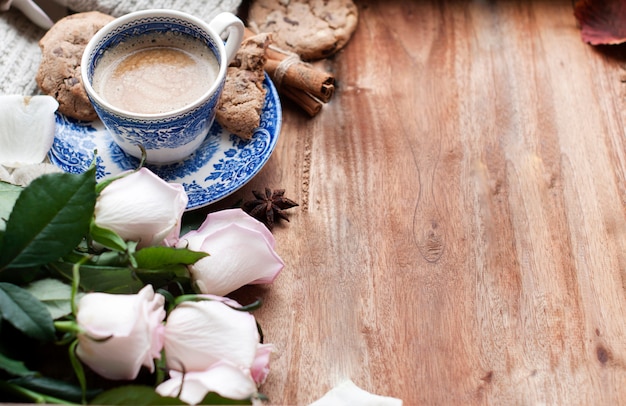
x: 145, y: 395
x: 102, y: 278
x: 161, y: 265
x: 54, y: 387
x: 54, y: 294
x: 107, y: 238
x: 25, y: 312
x: 134, y: 395
x: 158, y: 257
x: 49, y: 219
x: 19, y: 276
x: 14, y: 367
x: 107, y: 258
x: 192, y: 220
x: 8, y: 195
x: 213, y: 398
x: 162, y: 276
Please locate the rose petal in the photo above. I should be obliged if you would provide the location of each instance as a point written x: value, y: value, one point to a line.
x: 238, y: 256
x: 220, y: 219
x: 226, y: 300
x: 26, y: 129
x: 224, y: 379
x: 261, y: 366
x: 120, y: 333
x: 199, y: 334
x: 118, y: 319
x: 142, y: 207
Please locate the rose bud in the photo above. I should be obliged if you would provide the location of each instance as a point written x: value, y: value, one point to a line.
x: 217, y: 348
x: 142, y: 207
x: 120, y: 333
x: 241, y: 252
x: 199, y: 334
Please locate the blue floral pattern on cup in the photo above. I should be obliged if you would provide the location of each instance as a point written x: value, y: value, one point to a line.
x: 169, y: 132
x: 222, y: 164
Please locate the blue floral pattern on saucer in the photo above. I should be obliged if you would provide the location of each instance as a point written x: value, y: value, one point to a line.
x: 223, y: 163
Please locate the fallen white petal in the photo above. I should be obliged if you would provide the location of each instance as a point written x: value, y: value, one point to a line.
x: 5, y: 175
x: 347, y: 394
x: 27, y: 126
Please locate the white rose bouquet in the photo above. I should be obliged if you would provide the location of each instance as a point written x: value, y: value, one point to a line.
x: 103, y: 270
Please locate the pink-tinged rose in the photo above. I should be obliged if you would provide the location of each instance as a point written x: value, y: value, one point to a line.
x: 120, y: 333
x: 241, y: 252
x: 261, y: 365
x: 142, y: 207
x: 222, y: 378
x: 200, y: 334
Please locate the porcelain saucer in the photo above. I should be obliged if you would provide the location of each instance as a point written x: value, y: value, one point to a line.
x: 222, y: 164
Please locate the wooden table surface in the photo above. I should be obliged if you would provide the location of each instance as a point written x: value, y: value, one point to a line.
x: 461, y: 235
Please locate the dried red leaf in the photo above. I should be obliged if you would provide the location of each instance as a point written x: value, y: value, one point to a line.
x: 602, y: 21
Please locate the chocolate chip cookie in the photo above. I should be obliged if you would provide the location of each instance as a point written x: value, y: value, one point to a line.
x: 312, y: 29
x: 59, y: 72
x: 241, y: 103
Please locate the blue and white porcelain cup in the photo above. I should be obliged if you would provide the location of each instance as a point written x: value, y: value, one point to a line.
x: 167, y: 136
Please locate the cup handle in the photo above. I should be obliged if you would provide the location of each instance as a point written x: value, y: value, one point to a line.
x: 230, y: 24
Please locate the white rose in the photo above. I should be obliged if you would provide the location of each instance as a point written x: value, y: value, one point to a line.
x: 241, y: 252
x: 142, y: 207
x: 199, y: 334
x: 217, y: 348
x: 120, y: 333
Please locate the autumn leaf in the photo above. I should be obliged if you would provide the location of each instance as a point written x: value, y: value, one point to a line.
x: 602, y: 21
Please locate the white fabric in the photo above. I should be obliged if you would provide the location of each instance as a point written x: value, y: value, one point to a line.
x: 19, y: 49
x: 206, y: 9
x: 19, y: 53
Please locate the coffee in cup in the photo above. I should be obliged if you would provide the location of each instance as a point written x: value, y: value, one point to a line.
x: 155, y: 77
x: 155, y: 73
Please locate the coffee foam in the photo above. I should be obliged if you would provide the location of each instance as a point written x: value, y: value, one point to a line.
x: 155, y: 73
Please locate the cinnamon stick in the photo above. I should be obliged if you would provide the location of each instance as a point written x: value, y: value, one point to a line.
x: 308, y: 103
x: 300, y: 76
x: 297, y: 74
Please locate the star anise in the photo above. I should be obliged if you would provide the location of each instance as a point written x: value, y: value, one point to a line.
x: 269, y: 206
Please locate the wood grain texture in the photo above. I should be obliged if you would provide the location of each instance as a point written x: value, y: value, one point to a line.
x: 461, y: 237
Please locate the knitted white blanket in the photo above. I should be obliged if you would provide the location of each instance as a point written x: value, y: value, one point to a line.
x: 19, y: 49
